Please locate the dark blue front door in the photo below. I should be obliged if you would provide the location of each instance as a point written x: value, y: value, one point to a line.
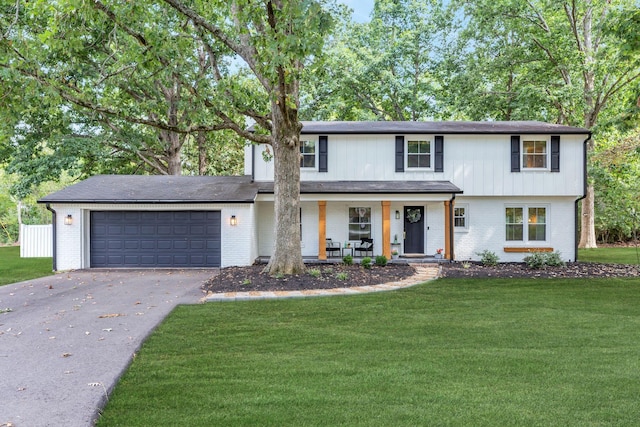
x: 155, y: 239
x: 414, y: 230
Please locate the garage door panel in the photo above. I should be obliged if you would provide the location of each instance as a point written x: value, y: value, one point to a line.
x: 155, y: 239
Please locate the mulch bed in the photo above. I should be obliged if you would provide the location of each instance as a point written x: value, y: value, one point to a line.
x: 518, y: 269
x: 246, y: 279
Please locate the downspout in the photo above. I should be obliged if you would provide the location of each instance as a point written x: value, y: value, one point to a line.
x: 584, y: 195
x: 54, y: 236
x: 451, y: 227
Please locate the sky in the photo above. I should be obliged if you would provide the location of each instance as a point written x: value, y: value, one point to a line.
x: 361, y: 9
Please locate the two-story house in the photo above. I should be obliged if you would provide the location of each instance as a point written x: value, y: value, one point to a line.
x: 416, y: 187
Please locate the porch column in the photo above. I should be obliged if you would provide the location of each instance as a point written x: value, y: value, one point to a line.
x: 386, y: 229
x: 448, y: 243
x: 322, y: 230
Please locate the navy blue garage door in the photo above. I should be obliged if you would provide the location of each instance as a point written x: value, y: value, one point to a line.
x: 155, y: 239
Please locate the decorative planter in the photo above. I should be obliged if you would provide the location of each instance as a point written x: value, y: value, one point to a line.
x: 438, y: 256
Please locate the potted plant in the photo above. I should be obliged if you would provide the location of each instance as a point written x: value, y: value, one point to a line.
x: 394, y: 254
x: 439, y: 253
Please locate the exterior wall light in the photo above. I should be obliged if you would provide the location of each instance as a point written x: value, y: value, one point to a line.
x: 397, y: 214
x: 68, y: 220
x: 233, y: 221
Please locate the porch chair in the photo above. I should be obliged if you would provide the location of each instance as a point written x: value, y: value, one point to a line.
x: 365, y: 245
x: 332, y: 247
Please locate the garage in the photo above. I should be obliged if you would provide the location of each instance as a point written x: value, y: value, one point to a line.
x: 164, y: 239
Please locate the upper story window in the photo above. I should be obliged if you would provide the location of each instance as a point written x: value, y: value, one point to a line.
x: 307, y: 154
x: 534, y: 154
x: 418, y: 154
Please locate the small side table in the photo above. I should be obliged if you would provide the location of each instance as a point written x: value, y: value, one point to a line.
x: 349, y: 250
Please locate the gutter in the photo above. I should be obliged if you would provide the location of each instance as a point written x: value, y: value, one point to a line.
x: 584, y: 195
x: 54, y: 216
x: 451, y: 227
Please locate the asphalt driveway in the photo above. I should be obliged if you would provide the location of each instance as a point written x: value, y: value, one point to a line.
x: 66, y: 339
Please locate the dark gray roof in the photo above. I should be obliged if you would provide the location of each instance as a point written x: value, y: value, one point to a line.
x: 370, y: 187
x: 453, y: 127
x: 157, y: 189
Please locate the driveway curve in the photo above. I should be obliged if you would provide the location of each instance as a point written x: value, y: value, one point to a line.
x: 66, y: 339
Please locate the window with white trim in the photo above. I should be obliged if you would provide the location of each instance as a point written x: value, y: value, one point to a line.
x: 460, y: 217
x: 534, y: 153
x: 307, y: 154
x: 359, y: 223
x: 419, y: 154
x: 536, y: 226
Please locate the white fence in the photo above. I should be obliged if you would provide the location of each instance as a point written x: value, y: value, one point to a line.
x: 36, y: 241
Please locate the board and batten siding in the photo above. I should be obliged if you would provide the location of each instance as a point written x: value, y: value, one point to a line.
x: 239, y: 246
x: 480, y: 165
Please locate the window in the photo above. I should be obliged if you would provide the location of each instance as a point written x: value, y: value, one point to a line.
x: 359, y: 223
x: 536, y: 229
x: 534, y: 154
x: 307, y: 154
x: 460, y: 217
x: 419, y: 154
x: 537, y: 224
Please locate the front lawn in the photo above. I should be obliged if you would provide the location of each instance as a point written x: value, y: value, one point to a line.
x: 516, y: 352
x: 618, y: 255
x: 15, y: 269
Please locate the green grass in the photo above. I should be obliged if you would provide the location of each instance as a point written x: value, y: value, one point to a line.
x: 630, y: 255
x: 518, y: 352
x: 15, y: 269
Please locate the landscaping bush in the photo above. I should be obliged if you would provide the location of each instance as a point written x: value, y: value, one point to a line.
x: 381, y: 260
x: 488, y: 258
x: 539, y: 260
x: 366, y: 262
x: 347, y: 260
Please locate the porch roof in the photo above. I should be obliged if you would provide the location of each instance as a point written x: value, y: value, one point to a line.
x: 370, y: 187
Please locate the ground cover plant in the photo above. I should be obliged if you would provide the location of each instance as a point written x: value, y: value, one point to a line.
x: 15, y: 269
x: 450, y: 352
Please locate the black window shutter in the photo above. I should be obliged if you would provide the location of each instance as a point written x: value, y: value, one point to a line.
x: 515, y: 153
x: 399, y: 153
x: 322, y: 153
x: 439, y: 154
x: 555, y: 153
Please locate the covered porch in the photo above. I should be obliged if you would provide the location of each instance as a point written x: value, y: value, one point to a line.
x: 413, y: 219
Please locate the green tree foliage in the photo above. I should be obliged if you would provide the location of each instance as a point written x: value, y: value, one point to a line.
x: 384, y: 69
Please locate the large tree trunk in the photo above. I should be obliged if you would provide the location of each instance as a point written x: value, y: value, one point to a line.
x: 587, y: 224
x: 201, y: 139
x: 287, y: 251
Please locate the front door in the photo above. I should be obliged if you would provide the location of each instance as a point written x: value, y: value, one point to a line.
x: 414, y: 229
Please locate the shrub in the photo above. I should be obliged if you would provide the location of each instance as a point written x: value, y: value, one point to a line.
x: 314, y: 272
x: 488, y: 258
x: 539, y: 260
x: 366, y: 262
x: 381, y: 260
x: 535, y: 261
x: 342, y: 276
x: 347, y: 260
x: 554, y: 259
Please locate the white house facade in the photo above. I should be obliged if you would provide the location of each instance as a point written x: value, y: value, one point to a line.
x: 417, y: 188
